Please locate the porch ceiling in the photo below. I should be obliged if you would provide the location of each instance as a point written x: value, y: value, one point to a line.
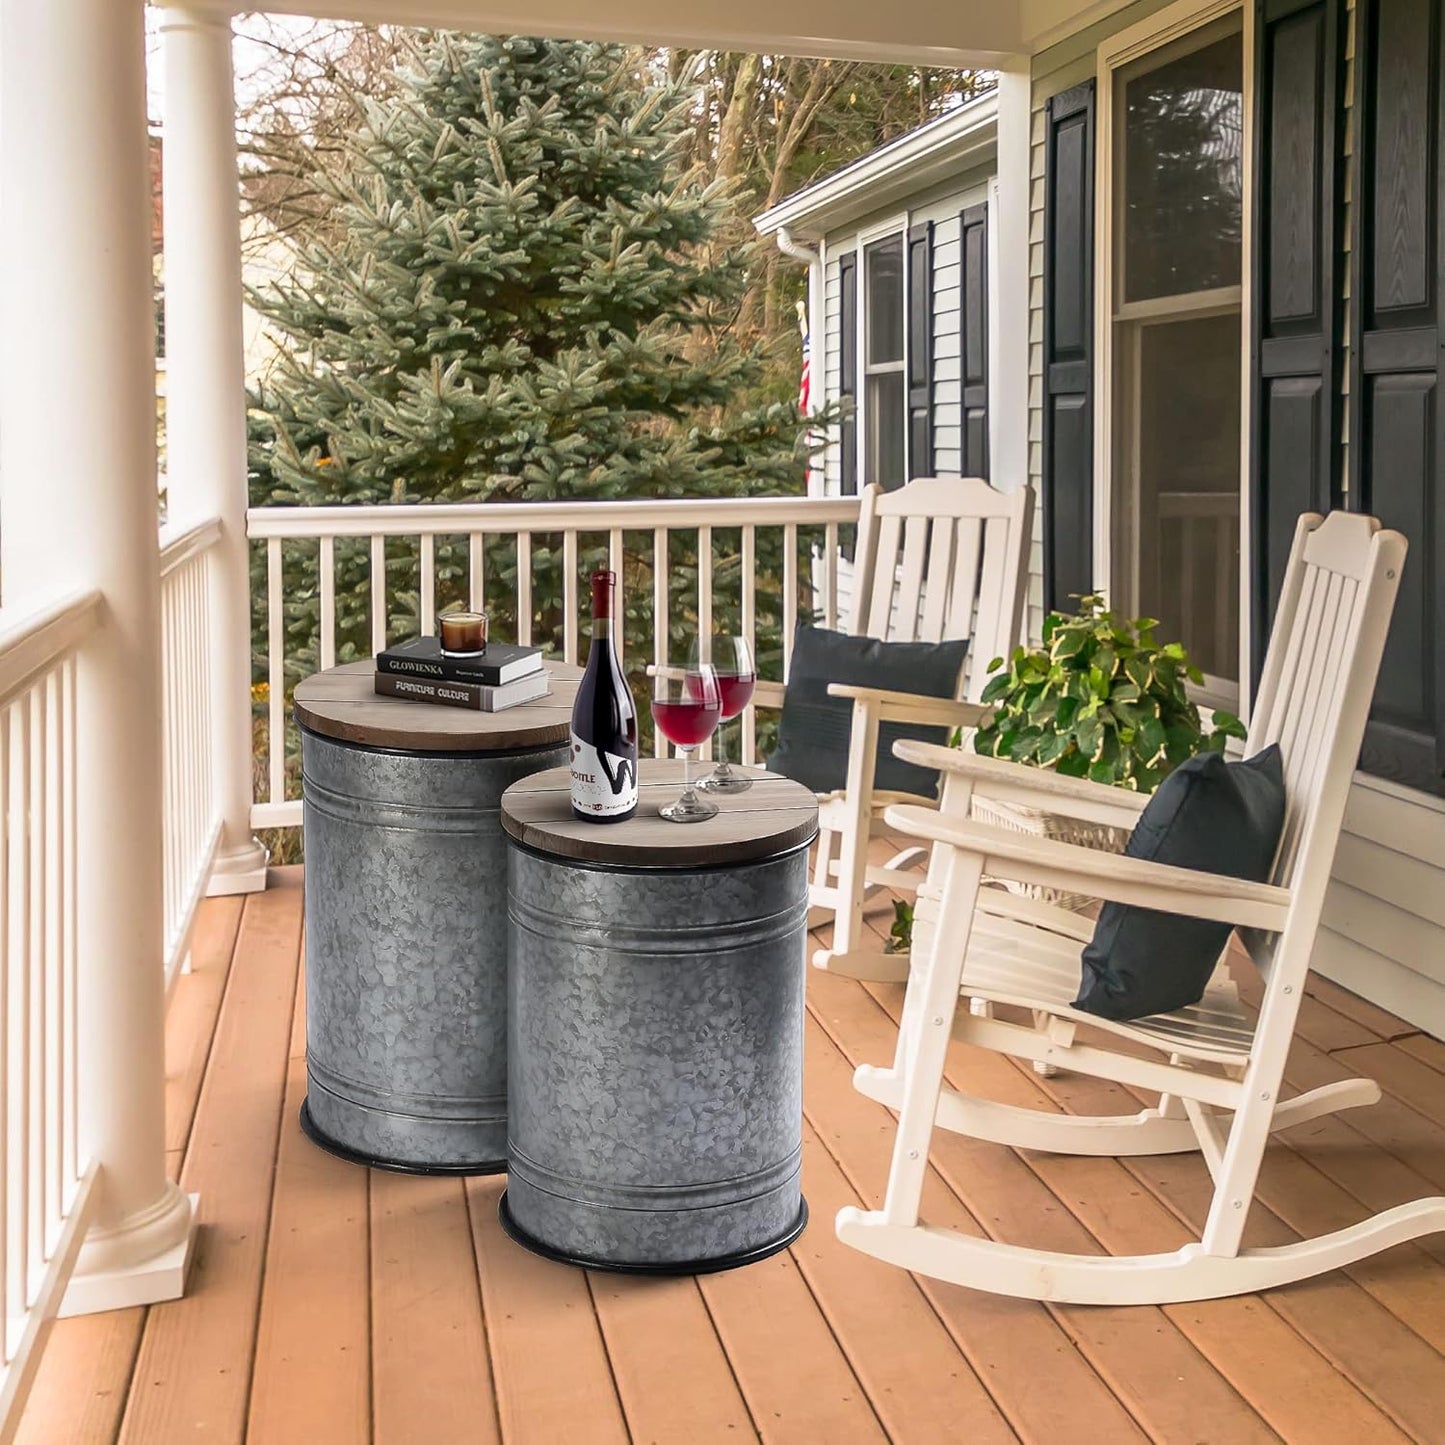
x: 919, y: 32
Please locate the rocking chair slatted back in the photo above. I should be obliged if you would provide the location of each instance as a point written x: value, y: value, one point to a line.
x: 1314, y: 695
x: 944, y: 557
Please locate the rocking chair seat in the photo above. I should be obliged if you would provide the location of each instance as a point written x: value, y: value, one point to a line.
x: 1014, y: 962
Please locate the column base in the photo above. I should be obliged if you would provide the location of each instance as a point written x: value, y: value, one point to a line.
x: 123, y: 1268
x: 240, y: 869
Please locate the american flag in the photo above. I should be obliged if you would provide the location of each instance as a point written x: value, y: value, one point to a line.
x: 805, y: 381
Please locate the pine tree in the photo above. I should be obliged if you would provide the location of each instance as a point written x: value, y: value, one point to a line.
x: 512, y: 296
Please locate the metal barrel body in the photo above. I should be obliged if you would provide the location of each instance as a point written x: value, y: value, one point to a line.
x: 655, y: 1048
x: 406, y: 952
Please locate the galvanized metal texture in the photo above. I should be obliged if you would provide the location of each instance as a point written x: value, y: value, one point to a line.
x: 655, y: 1047
x: 406, y: 952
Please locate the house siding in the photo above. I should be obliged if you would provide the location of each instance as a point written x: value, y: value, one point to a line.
x: 1383, y: 928
x: 832, y: 375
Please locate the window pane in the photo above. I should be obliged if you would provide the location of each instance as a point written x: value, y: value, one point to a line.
x: 884, y: 279
x: 886, y: 418
x: 1183, y: 151
x: 1188, y: 461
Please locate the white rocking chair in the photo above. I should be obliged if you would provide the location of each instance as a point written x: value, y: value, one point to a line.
x: 1218, y: 1074
x: 939, y: 557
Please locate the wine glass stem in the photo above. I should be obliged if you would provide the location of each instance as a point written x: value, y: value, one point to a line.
x: 687, y: 794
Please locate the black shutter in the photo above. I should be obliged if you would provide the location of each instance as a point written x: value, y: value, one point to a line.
x: 1397, y: 471
x: 1068, y: 420
x: 848, y: 370
x: 920, y: 350
x: 973, y: 338
x: 1294, y: 452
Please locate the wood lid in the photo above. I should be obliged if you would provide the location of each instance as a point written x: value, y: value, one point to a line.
x: 340, y: 703
x: 774, y: 816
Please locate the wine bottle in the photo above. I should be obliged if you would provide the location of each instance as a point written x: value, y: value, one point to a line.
x: 604, y: 723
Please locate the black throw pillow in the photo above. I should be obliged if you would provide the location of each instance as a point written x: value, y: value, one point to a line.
x: 815, y: 728
x: 1207, y: 814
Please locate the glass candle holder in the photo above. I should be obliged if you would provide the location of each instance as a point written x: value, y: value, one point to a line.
x: 463, y: 634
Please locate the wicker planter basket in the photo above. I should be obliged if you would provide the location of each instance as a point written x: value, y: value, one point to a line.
x: 1049, y: 825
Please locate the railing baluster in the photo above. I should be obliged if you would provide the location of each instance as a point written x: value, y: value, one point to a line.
x: 476, y: 577
x: 10, y: 959
x: 830, y: 576
x: 661, y: 618
x: 275, y: 675
x: 54, y: 946
x: 569, y: 595
x: 18, y: 1081
x: 378, y: 596
x: 524, y: 589
x: 750, y: 631
x: 615, y: 560
x: 428, y: 583
x: 790, y: 593
x: 72, y: 955
x: 704, y: 605
x: 328, y: 602
x: 35, y: 1004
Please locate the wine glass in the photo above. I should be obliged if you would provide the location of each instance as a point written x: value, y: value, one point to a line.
x: 686, y: 706
x: 732, y: 659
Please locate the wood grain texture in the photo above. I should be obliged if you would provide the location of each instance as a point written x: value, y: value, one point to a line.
x: 772, y: 817
x: 461, y: 1336
x: 341, y: 703
x: 193, y: 1373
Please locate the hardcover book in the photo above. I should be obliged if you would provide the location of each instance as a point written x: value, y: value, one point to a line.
x: 527, y: 688
x: 502, y: 662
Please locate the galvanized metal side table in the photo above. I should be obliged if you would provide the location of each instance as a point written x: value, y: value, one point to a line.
x: 405, y: 917
x: 655, y: 1026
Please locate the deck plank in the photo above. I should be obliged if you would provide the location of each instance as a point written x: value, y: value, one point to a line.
x: 431, y: 1379
x: 658, y: 1333
x: 796, y: 1379
x: 193, y: 1372
x: 1145, y: 1359
x: 1337, y: 1315
x: 921, y: 1387
x: 549, y: 1360
x: 311, y: 1382
x: 1010, y: 1343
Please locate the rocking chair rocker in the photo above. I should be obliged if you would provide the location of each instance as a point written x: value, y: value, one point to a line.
x: 1218, y: 1073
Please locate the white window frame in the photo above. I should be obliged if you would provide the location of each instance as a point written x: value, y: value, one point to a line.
x: 895, y: 225
x: 1119, y: 51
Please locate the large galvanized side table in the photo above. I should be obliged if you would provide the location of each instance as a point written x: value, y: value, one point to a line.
x: 406, y: 917
x: 655, y: 1026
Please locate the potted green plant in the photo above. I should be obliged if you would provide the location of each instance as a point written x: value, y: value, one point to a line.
x: 1100, y: 698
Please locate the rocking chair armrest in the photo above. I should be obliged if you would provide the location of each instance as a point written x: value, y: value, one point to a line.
x: 911, y: 706
x: 1040, y: 788
x: 1022, y: 858
x: 768, y: 694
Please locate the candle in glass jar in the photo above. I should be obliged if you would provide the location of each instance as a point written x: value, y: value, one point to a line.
x: 463, y: 634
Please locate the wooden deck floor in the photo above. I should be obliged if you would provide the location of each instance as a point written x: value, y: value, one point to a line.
x: 332, y: 1304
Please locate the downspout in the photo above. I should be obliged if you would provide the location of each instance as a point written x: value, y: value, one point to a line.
x: 814, y: 262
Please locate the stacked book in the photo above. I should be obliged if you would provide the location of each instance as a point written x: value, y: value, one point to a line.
x: 501, y: 676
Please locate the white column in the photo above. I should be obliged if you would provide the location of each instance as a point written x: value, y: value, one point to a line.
x: 1010, y: 399
x: 206, y: 393
x: 78, y: 509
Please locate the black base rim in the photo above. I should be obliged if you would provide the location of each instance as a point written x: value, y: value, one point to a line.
x: 716, y: 1265
x: 395, y: 1166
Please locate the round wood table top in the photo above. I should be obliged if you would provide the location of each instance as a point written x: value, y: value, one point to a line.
x: 774, y: 816
x: 341, y: 703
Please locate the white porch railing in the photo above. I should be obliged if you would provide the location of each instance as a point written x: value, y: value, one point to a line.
x: 636, y: 537
x: 47, y: 1189
x: 192, y: 825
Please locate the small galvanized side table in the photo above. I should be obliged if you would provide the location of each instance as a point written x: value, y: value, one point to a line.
x: 655, y: 1026
x: 405, y: 917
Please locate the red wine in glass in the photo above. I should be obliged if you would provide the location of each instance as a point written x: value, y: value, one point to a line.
x: 732, y: 657
x: 686, y: 707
